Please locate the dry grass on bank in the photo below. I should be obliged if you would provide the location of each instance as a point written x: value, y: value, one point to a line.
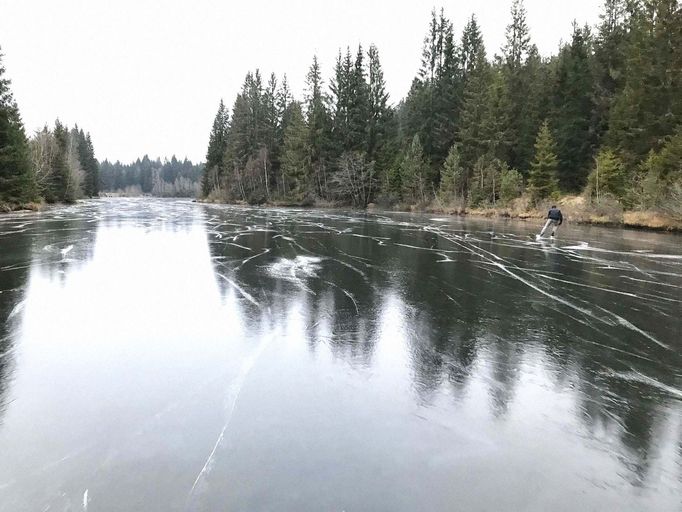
x: 576, y: 209
x: 21, y: 207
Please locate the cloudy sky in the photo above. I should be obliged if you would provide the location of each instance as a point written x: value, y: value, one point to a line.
x: 145, y: 76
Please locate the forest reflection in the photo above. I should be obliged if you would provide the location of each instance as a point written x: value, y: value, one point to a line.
x: 460, y: 322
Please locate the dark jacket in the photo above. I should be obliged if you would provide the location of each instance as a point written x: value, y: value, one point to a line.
x: 555, y: 214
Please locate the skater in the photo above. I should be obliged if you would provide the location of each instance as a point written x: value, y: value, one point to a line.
x: 554, y: 219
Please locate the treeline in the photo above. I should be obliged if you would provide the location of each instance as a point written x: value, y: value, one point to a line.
x: 55, y: 165
x: 170, y: 178
x: 601, y: 116
x: 63, y: 164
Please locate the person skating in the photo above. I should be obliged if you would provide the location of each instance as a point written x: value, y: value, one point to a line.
x: 554, y: 219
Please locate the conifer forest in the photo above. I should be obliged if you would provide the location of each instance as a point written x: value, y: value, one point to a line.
x: 480, y: 126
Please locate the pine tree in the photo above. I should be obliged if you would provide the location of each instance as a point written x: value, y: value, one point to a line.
x: 472, y: 130
x: 296, y: 167
x: 340, y: 100
x: 59, y: 184
x: 496, y: 132
x: 573, y: 111
x: 89, y: 164
x: 319, y: 126
x: 217, y: 144
x: 447, y: 95
x: 17, y: 183
x: 358, y: 105
x: 520, y: 71
x: 433, y: 103
x: 414, y: 172
x: 270, y: 133
x: 542, y: 181
x: 380, y: 126
x: 472, y: 48
x: 378, y: 105
x: 609, y: 61
x: 453, y: 177
x: 609, y: 176
x: 536, y: 97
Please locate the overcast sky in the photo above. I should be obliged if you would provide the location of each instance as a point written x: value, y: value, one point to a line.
x: 145, y: 76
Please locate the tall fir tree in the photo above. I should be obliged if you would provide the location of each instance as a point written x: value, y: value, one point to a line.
x: 60, y: 190
x: 609, y: 61
x: 447, y: 94
x: 358, y: 105
x: 378, y: 124
x: 573, y: 111
x: 217, y: 144
x: 520, y: 75
x: 414, y: 172
x: 340, y: 99
x: 17, y: 182
x: 319, y: 126
x: 472, y: 130
x: 89, y: 164
x: 453, y: 177
x: 472, y: 48
x: 542, y: 181
x: 296, y: 168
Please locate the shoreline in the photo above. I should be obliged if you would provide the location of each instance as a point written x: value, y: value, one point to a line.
x: 638, y: 220
x: 21, y: 207
x: 646, y: 220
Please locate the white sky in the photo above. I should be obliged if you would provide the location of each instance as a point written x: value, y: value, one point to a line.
x: 145, y: 76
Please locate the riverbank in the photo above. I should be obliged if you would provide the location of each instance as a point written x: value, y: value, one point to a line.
x: 20, y: 207
x: 574, y: 208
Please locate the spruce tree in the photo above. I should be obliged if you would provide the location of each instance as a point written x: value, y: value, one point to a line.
x: 452, y: 178
x: 414, y: 172
x: 271, y: 121
x: 217, y: 144
x: 471, y: 48
x: 378, y: 104
x: 542, y: 181
x: 476, y: 104
x: 17, y: 183
x: 496, y: 132
x: 433, y: 103
x: 340, y: 88
x: 59, y: 182
x: 573, y: 111
x: 296, y: 167
x: 536, y: 97
x: 609, y: 61
x: 521, y: 75
x: 89, y: 164
x: 608, y: 178
x: 447, y: 95
x: 358, y: 105
x: 319, y: 125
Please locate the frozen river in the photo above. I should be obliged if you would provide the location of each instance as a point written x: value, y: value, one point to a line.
x: 166, y: 355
